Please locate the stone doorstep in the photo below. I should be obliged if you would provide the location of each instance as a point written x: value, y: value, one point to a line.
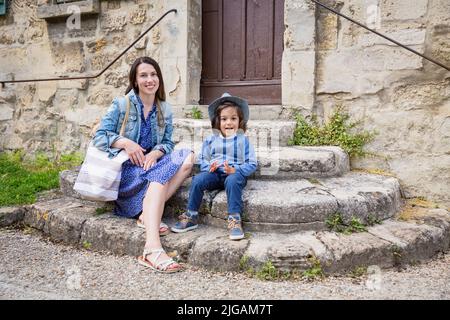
x: 392, y: 243
x: 271, y: 133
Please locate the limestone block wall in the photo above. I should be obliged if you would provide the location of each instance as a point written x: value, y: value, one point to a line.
x: 403, y: 97
x: 327, y: 61
x: 57, y: 116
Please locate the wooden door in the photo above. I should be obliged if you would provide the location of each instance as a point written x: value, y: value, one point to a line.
x: 242, y: 46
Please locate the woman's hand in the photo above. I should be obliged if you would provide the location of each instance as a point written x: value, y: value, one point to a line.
x: 135, y: 152
x: 214, y: 166
x: 151, y: 159
x: 228, y: 169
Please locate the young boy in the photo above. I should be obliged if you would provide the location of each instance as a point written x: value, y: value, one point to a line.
x: 227, y: 159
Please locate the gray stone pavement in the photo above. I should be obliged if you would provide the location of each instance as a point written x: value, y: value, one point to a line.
x: 32, y: 267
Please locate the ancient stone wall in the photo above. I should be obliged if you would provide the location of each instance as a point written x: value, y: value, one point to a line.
x: 401, y: 96
x: 57, y: 116
x: 327, y: 61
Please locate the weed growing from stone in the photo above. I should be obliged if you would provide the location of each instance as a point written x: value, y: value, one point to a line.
x: 338, y: 131
x: 100, y: 211
x: 358, y: 272
x: 315, y: 271
x: 372, y: 220
x: 270, y: 273
x: 23, y: 177
x: 314, y: 181
x: 336, y: 223
x: 196, y: 113
x: 87, y: 245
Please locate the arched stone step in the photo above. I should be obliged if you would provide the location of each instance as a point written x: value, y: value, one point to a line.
x: 392, y: 243
x: 285, y: 164
x: 289, y: 206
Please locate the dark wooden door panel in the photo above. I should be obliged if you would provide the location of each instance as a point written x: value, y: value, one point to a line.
x: 210, y: 40
x: 278, y: 41
x: 233, y: 32
x: 259, y: 39
x: 242, y: 47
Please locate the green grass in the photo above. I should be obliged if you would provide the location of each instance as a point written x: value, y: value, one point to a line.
x: 22, y: 179
x: 338, y: 131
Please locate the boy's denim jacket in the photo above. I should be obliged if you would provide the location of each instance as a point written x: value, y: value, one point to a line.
x: 108, y: 132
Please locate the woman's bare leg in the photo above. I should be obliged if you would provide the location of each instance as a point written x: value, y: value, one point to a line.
x: 184, y: 172
x: 175, y: 182
x: 153, y: 208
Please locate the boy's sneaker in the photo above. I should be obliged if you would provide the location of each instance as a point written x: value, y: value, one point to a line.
x: 235, y: 227
x: 187, y: 222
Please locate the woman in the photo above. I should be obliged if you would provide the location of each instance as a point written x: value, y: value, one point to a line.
x: 153, y: 173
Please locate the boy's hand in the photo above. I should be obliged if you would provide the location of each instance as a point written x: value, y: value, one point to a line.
x: 228, y: 169
x: 214, y: 166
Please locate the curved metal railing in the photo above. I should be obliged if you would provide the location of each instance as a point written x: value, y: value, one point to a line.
x: 382, y: 35
x: 104, y: 69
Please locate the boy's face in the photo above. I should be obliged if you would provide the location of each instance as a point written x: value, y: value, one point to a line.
x: 229, y: 121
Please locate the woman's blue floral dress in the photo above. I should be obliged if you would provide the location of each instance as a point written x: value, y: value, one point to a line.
x: 135, y: 180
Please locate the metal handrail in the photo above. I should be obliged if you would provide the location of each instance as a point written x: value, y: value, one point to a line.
x: 383, y: 36
x: 101, y: 72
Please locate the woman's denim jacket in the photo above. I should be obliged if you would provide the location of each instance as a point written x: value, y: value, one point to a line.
x: 108, y: 132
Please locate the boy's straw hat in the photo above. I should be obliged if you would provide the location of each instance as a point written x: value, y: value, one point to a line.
x: 241, y: 103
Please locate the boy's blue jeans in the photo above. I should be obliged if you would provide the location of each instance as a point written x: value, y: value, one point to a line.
x: 233, y: 184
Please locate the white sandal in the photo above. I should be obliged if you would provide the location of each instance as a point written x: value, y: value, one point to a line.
x: 162, y: 266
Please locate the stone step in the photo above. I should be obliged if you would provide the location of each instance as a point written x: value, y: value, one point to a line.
x: 392, y: 243
x: 293, y: 162
x: 304, y: 204
x: 264, y: 133
x: 290, y: 206
x: 256, y: 112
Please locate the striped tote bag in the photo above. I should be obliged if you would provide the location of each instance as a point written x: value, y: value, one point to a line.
x: 99, y: 176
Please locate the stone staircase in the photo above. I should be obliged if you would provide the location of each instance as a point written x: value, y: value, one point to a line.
x: 286, y: 206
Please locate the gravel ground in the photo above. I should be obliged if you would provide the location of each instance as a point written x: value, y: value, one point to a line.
x: 32, y: 267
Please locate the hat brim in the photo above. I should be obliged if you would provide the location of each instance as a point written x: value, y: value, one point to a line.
x: 241, y: 103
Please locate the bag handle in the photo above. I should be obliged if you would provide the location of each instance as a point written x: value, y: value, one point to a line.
x: 124, y: 123
x: 125, y: 120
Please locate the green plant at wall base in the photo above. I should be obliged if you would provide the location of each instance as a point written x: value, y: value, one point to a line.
x: 196, y: 113
x: 21, y: 179
x: 337, y: 132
